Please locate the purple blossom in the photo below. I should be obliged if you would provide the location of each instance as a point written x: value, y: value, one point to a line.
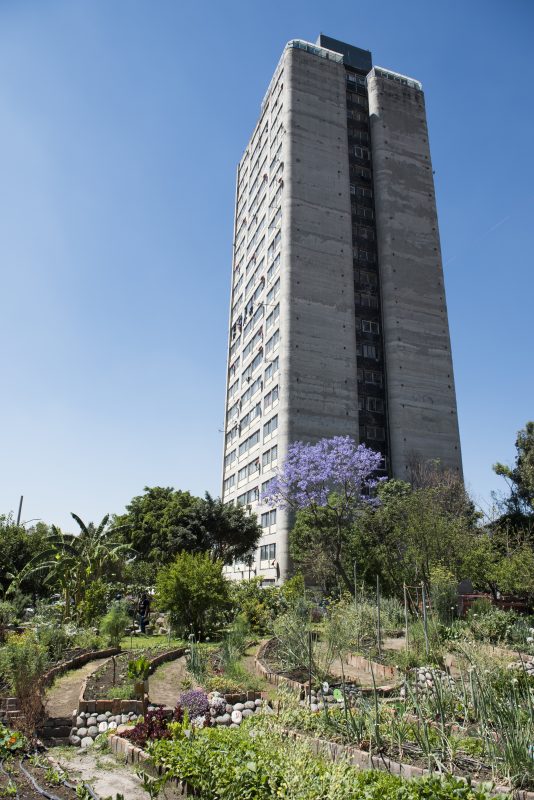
x: 314, y: 473
x: 195, y: 701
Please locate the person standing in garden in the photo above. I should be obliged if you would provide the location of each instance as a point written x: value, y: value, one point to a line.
x: 144, y: 611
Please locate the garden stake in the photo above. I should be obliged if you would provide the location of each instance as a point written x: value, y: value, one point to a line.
x: 425, y: 621
x: 309, y: 664
x: 378, y: 614
x: 406, y: 613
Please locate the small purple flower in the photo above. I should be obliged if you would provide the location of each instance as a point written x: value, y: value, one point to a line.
x: 195, y: 702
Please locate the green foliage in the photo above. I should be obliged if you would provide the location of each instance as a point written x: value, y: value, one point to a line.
x: 255, y: 762
x: 113, y: 624
x: 7, y: 617
x: 520, y: 477
x: 95, y: 602
x: 194, y: 592
x: 235, y: 642
x: 139, y: 669
x: 56, y: 639
x: 197, y: 660
x: 18, y: 546
x: 164, y: 522
x: 23, y: 662
x: 443, y: 593
x: 124, y: 692
x: 258, y: 604
x: 10, y: 742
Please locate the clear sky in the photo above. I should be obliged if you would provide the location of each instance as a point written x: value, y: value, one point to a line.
x: 121, y: 124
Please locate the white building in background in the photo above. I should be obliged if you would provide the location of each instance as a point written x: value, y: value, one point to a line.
x: 338, y: 321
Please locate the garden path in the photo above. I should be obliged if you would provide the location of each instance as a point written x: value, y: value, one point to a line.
x: 62, y: 697
x: 101, y: 771
x: 166, y: 682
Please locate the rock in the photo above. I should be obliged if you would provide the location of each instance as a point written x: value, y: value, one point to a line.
x: 101, y: 718
x: 124, y: 719
x: 112, y: 725
x: 81, y: 732
x: 91, y: 721
x: 86, y: 742
x: 92, y: 731
x: 258, y: 703
x: 314, y: 707
x: 234, y: 724
x: 247, y: 712
x: 102, y: 727
x: 224, y: 719
x: 74, y: 740
x: 108, y: 713
x: 251, y: 705
x: 229, y: 708
x: 239, y: 706
x: 237, y: 716
x: 80, y: 721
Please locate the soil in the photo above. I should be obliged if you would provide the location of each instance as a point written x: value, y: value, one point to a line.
x: 165, y: 684
x: 114, y: 673
x: 11, y: 773
x: 62, y: 697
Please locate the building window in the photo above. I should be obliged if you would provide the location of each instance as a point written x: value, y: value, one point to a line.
x: 272, y: 342
x: 268, y: 519
x: 373, y: 432
x: 249, y: 442
x: 272, y: 369
x: 374, y: 378
x: 370, y: 351
x: 273, y: 316
x: 270, y: 426
x: 375, y: 404
x: 270, y: 398
x: 229, y: 482
x: 230, y: 458
x: 268, y: 552
x: 269, y: 457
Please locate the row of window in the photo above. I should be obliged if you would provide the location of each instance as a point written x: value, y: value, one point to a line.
x: 248, y: 470
x: 268, y: 519
x: 247, y: 498
x: 268, y: 429
x: 268, y: 552
x: 368, y: 351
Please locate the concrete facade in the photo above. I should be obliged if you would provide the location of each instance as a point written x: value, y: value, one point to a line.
x: 338, y: 322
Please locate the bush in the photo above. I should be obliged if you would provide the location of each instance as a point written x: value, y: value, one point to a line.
x: 95, y: 602
x: 23, y: 662
x: 7, y: 617
x: 113, y: 625
x: 194, y: 592
x: 488, y: 623
x: 258, y: 604
x: 443, y: 594
x: 235, y: 642
x: 56, y: 639
x: 139, y: 669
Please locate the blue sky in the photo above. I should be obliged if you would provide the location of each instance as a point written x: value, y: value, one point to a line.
x: 121, y: 124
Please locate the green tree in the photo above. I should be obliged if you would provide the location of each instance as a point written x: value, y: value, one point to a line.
x: 520, y: 477
x: 164, y: 522
x: 18, y: 545
x: 194, y: 592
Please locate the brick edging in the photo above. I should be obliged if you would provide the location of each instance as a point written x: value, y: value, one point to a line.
x: 320, y: 747
x: 125, y: 706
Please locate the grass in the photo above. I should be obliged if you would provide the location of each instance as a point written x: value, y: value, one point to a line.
x: 141, y: 641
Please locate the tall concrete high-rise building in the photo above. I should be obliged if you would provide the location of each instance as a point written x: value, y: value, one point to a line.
x: 338, y: 321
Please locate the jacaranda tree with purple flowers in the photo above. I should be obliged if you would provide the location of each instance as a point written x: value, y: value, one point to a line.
x: 332, y: 481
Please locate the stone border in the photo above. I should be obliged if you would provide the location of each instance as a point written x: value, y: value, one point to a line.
x: 125, y: 706
x: 320, y: 747
x: 275, y: 678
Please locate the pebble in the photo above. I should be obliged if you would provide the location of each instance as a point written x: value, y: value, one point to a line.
x: 86, y: 742
x: 92, y: 731
x: 258, y: 703
x: 91, y: 721
x: 237, y: 716
x: 74, y: 740
x: 81, y: 732
x: 239, y: 706
x: 80, y: 721
x: 247, y: 712
x: 229, y: 708
x: 250, y: 704
x: 101, y: 718
x: 102, y: 727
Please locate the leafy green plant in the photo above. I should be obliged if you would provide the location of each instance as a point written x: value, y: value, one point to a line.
x: 125, y: 692
x: 114, y: 623
x: 10, y: 741
x: 139, y: 669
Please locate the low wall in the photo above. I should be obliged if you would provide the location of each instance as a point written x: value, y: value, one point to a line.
x: 10, y: 705
x: 364, y: 664
x: 125, y: 706
x: 320, y: 747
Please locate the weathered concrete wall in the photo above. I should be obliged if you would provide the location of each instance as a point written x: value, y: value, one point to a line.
x: 320, y: 382
x: 420, y: 383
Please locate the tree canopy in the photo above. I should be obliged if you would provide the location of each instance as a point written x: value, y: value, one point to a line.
x: 163, y: 522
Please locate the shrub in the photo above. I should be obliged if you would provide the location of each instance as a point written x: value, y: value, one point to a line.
x: 258, y: 604
x: 139, y: 669
x: 194, y: 592
x: 113, y: 625
x: 125, y: 692
x: 95, y: 602
x: 56, y: 639
x: 443, y: 593
x: 7, y: 617
x: 235, y: 642
x: 23, y: 663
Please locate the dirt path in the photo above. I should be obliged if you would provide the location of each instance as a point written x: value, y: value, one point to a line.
x: 62, y: 697
x: 166, y: 683
x: 102, y: 771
